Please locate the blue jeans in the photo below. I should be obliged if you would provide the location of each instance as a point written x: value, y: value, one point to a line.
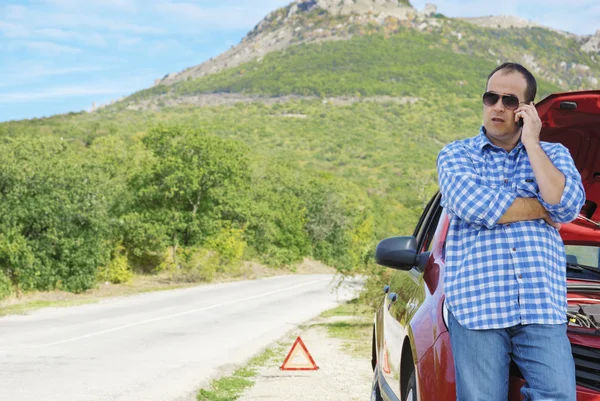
x: 541, y: 351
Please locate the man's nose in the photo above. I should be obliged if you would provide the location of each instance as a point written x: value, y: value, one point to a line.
x: 499, y: 106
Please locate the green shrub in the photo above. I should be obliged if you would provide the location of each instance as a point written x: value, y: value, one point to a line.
x: 54, y: 214
x: 17, y: 263
x: 5, y: 286
x: 197, y: 264
x: 117, y: 271
x: 229, y: 245
x: 168, y: 262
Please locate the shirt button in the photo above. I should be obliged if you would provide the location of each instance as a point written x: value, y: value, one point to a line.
x: 506, y: 180
x: 520, y: 276
x: 514, y: 249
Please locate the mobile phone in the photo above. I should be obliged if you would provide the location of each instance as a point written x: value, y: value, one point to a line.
x: 520, y: 122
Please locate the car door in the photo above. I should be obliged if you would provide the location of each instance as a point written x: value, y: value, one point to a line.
x: 405, y: 296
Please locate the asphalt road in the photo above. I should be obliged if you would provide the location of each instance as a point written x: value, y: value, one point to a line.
x: 154, y: 346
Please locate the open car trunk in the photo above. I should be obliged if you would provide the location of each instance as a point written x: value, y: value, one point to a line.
x: 573, y: 119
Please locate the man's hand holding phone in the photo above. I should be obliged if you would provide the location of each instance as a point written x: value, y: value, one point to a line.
x: 530, y: 123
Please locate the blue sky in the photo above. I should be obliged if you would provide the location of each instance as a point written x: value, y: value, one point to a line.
x: 58, y: 56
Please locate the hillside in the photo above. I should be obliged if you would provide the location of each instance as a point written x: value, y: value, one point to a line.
x: 316, y: 146
x: 565, y: 60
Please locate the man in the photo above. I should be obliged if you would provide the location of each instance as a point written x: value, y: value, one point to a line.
x: 505, y: 279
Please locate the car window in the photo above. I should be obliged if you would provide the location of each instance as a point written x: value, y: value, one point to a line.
x: 423, y: 217
x: 585, y: 255
x: 428, y: 240
x: 429, y: 223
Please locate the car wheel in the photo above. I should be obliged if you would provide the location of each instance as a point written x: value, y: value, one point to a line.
x: 375, y: 390
x: 411, y: 388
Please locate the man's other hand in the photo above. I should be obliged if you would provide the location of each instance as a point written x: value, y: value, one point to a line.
x: 548, y: 220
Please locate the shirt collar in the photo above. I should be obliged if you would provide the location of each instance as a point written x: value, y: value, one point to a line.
x: 481, y: 141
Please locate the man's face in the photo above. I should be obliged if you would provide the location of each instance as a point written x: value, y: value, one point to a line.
x: 499, y: 121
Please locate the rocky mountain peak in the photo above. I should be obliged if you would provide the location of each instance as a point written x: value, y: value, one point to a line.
x: 295, y: 24
x: 592, y: 44
x: 346, y: 7
x: 304, y: 21
x: 299, y: 10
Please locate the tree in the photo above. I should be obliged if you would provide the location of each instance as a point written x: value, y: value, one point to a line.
x: 194, y: 181
x: 54, y: 221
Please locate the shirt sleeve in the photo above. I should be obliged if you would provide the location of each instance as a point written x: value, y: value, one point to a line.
x: 573, y: 196
x: 464, y: 192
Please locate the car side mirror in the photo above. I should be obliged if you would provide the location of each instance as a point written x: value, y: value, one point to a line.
x: 397, y: 252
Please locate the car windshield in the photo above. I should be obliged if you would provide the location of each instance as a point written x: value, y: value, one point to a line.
x: 583, y: 255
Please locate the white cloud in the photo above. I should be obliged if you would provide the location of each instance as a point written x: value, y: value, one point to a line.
x: 594, y: 15
x: 171, y: 46
x: 11, y: 30
x: 88, y: 21
x: 270, y: 4
x: 51, y: 48
x: 572, y: 3
x: 569, y: 23
x: 126, y: 41
x: 120, y: 5
x: 55, y: 21
x: 92, y: 39
x: 583, y: 16
x: 31, y: 72
x: 182, y: 10
x: 224, y: 17
x: 12, y: 11
x: 54, y: 33
x: 61, y: 92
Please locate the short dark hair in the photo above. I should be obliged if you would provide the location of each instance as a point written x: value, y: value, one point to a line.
x: 531, y: 89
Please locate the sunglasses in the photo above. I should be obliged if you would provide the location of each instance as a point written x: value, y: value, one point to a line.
x: 511, y: 102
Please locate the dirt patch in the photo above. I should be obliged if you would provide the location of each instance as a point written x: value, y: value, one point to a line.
x: 342, y: 375
x: 309, y: 266
x: 140, y: 283
x: 157, y: 103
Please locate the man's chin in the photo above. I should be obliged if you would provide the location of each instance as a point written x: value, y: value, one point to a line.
x: 500, y: 132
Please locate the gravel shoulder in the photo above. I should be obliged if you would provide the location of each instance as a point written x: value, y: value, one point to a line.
x: 344, y: 365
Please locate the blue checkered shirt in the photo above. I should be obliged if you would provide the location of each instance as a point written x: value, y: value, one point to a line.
x: 501, y: 275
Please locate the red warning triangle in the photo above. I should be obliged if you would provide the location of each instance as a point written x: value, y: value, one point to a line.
x: 299, y: 358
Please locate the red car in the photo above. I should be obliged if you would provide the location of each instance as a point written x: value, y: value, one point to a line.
x: 412, y: 357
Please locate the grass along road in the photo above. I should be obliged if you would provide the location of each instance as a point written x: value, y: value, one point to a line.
x: 29, y: 302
